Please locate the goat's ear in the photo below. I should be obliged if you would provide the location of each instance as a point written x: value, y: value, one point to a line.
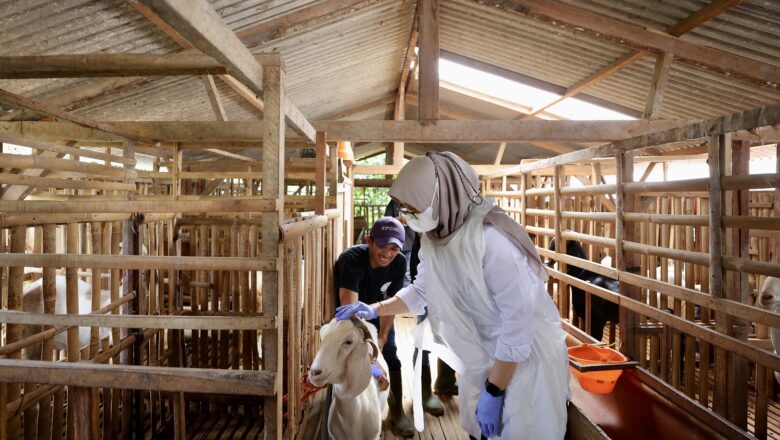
x: 358, y: 370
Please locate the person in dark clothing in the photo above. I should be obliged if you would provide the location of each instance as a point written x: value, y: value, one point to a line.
x: 373, y: 272
x: 393, y: 209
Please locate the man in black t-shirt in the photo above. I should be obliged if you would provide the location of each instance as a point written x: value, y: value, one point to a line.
x: 370, y: 273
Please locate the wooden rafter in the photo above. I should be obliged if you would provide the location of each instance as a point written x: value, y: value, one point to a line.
x: 81, y: 96
x: 113, y: 65
x: 199, y: 133
x: 699, y: 17
x: 200, y: 25
x: 428, y: 109
x: 489, y: 131
x: 18, y: 192
x: 214, y: 99
x: 314, y: 15
x: 747, y: 120
x: 30, y: 104
x: 64, y: 149
x: 460, y: 115
x: 381, y: 102
x: 395, y: 152
x: 219, y: 112
x: 500, y: 153
x: 621, y: 32
x: 658, y: 86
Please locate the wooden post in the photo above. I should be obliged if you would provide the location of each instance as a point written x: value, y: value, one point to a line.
x: 690, y: 341
x: 626, y: 262
x: 704, y: 353
x: 116, y: 394
x: 776, y: 207
x: 560, y: 245
x: 14, y: 331
x: 273, y: 186
x: 739, y: 290
x: 49, y: 300
x: 95, y: 230
x: 715, y: 158
x: 428, y: 107
x: 72, y: 307
x: 395, y: 155
x: 524, y: 182
x: 319, y: 199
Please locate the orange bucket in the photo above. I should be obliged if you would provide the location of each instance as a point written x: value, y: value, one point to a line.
x: 597, y: 382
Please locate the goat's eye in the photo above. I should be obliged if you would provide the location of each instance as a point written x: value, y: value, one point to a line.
x: 348, y: 342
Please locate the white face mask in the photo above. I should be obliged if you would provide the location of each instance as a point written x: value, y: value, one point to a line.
x: 424, y: 221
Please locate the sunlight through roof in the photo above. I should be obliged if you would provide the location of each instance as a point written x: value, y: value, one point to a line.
x: 523, y: 95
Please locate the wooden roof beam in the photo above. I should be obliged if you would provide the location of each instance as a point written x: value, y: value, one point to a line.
x: 489, y: 131
x: 114, y: 65
x: 623, y: 33
x: 699, y: 17
x: 428, y: 109
x: 463, y: 116
x: 201, y: 25
x: 48, y: 110
x: 316, y: 14
x: 395, y: 152
x: 219, y: 112
x: 473, y: 131
x: 271, y: 29
x: 747, y: 120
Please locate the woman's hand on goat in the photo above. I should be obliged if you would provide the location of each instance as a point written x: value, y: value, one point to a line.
x: 361, y: 309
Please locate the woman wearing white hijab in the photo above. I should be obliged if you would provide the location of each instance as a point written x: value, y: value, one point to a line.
x: 491, y: 317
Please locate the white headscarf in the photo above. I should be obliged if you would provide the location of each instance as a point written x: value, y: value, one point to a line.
x: 458, y: 192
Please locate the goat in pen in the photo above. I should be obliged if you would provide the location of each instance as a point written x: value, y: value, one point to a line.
x: 344, y: 361
x: 33, y: 302
x: 601, y: 311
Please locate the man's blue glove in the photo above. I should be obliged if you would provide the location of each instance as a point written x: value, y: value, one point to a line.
x: 376, y: 371
x: 489, y: 410
x: 361, y: 309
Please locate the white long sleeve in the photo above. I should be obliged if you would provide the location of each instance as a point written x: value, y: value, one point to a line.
x: 517, y: 291
x: 413, y: 295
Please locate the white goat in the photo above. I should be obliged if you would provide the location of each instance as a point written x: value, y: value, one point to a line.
x: 769, y: 299
x: 344, y: 360
x: 32, y: 302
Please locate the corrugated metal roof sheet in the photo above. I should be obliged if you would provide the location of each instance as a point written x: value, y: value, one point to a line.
x: 564, y: 56
x: 331, y: 67
x: 346, y: 62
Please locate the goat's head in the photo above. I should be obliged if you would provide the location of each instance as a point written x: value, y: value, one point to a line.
x: 344, y: 357
x: 769, y: 296
x: 573, y: 248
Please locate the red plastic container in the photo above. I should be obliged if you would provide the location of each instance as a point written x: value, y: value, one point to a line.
x: 598, y: 382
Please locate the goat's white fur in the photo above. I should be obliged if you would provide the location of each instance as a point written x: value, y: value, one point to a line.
x: 769, y: 299
x: 32, y: 302
x: 344, y: 359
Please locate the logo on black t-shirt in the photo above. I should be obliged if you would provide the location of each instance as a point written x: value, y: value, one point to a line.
x: 384, y: 288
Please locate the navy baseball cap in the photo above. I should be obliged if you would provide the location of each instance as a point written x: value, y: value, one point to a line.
x: 387, y: 230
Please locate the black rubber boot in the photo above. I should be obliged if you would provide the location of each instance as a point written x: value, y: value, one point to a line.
x: 431, y: 404
x: 395, y: 402
x: 445, y: 381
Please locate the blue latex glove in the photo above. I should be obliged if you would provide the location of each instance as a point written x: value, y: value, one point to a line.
x: 376, y: 371
x: 489, y: 410
x: 361, y: 309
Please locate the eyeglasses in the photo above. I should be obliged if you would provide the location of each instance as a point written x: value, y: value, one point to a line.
x: 407, y: 211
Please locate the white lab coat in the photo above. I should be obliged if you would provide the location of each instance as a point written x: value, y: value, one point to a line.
x: 472, y: 325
